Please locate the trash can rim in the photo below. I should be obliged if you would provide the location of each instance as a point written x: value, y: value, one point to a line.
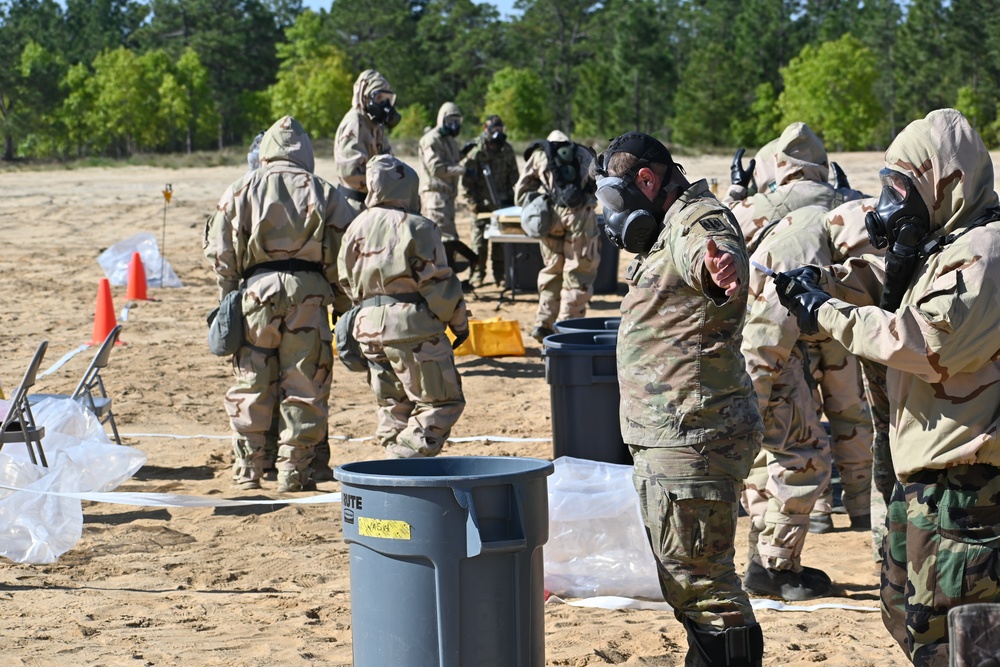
x: 366, y: 472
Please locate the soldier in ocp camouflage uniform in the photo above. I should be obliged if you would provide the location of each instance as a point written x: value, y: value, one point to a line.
x: 361, y: 134
x: 560, y: 170
x: 393, y: 263
x: 491, y: 171
x: 688, y: 410
x: 937, y: 217
x: 278, y: 229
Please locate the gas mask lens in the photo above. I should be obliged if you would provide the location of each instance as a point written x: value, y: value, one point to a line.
x: 895, y: 185
x: 380, y: 97
x: 610, y: 192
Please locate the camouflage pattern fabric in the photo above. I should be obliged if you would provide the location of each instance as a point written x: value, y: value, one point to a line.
x: 571, y: 255
x: 677, y: 325
x: 476, y: 192
x: 941, y: 552
x: 358, y: 137
x: 280, y: 211
x: 800, y: 173
x: 419, y: 394
x: 440, y: 171
x: 939, y: 348
x: 688, y: 499
x: 390, y: 250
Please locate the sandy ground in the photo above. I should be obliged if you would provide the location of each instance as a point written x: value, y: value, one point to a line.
x: 148, y: 586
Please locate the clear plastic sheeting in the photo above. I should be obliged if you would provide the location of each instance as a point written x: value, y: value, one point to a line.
x: 37, y: 528
x: 115, y: 261
x: 597, y: 543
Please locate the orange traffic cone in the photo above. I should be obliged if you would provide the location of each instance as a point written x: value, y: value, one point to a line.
x: 136, y: 290
x: 104, y: 313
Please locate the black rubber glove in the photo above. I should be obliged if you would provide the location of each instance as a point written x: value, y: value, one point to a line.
x: 738, y: 174
x: 840, y: 181
x: 469, y: 145
x: 460, y: 337
x: 799, y: 293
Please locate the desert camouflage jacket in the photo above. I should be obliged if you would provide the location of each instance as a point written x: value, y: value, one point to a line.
x: 390, y: 250
x: 359, y: 138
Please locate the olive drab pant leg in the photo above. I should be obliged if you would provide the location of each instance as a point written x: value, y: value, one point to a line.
x: 840, y: 383
x: 940, y: 552
x: 798, y: 464
x: 688, y: 499
x: 419, y: 392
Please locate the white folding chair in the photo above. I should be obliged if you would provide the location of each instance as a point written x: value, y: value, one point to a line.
x: 91, y: 392
x: 19, y: 424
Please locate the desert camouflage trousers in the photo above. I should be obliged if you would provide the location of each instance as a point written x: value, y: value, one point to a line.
x: 688, y: 499
x: 942, y: 550
x: 841, y: 391
x: 790, y: 472
x: 282, y: 387
x: 419, y: 394
x: 566, y: 281
x: 439, y: 208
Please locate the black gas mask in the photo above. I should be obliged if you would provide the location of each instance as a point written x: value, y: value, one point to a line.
x: 900, y: 217
x: 632, y: 221
x: 381, y: 108
x: 495, y: 137
x: 451, y: 126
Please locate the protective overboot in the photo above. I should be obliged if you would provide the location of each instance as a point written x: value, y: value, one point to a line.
x: 861, y: 522
x: 539, y: 333
x: 741, y: 646
x: 321, y: 470
x: 247, y: 466
x: 788, y: 585
x: 295, y: 481
x: 820, y: 523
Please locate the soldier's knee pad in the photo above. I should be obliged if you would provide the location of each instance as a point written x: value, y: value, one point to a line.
x: 742, y: 646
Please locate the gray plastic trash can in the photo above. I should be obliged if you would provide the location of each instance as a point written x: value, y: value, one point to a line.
x: 522, y: 263
x: 588, y: 325
x: 446, y: 560
x: 582, y: 374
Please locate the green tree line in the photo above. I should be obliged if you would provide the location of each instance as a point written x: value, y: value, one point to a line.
x: 119, y: 77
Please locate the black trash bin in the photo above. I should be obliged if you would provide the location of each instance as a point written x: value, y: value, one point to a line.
x: 588, y: 325
x: 522, y: 263
x: 582, y: 374
x: 607, y: 272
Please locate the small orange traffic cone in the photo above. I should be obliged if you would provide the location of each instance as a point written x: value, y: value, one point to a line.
x: 136, y: 290
x: 104, y: 313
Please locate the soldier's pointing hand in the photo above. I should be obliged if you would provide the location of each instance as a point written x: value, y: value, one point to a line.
x: 721, y: 268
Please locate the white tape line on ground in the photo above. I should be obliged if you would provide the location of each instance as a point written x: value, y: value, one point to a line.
x: 174, y: 500
x: 616, y: 602
x: 342, y: 438
x: 62, y: 360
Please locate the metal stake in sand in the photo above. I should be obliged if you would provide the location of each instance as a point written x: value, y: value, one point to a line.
x: 167, y: 193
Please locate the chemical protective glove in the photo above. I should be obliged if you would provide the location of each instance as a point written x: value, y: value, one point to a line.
x: 799, y: 292
x: 738, y: 174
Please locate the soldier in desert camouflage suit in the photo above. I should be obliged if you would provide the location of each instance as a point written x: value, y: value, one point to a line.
x: 688, y: 410
x: 440, y: 170
x: 780, y: 494
x: 361, y: 134
x: 571, y: 253
x: 393, y: 263
x: 278, y: 230
x: 937, y: 219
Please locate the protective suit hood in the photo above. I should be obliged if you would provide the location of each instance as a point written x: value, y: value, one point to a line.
x: 800, y: 154
x: 447, y: 109
x: 368, y: 82
x: 555, y: 136
x: 763, y: 172
x: 287, y: 141
x: 948, y: 163
x: 393, y: 183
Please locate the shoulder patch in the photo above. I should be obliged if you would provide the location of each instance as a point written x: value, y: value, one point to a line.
x: 712, y: 224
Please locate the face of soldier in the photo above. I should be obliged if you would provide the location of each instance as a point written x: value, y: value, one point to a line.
x: 495, y: 136
x: 382, y: 107
x: 900, y: 214
x: 452, y: 125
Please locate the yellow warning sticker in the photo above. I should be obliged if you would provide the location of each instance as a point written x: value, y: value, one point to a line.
x: 386, y: 528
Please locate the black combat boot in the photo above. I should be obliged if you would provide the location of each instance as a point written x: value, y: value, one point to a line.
x: 787, y: 584
x: 742, y: 646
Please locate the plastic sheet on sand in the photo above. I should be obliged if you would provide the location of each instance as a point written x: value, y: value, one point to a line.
x: 37, y: 528
x: 115, y: 261
x: 597, y: 543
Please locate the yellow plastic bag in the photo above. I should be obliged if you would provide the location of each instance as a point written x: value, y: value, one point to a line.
x: 495, y: 337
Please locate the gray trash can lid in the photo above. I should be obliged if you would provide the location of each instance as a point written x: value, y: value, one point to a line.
x: 582, y: 340
x: 586, y: 324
